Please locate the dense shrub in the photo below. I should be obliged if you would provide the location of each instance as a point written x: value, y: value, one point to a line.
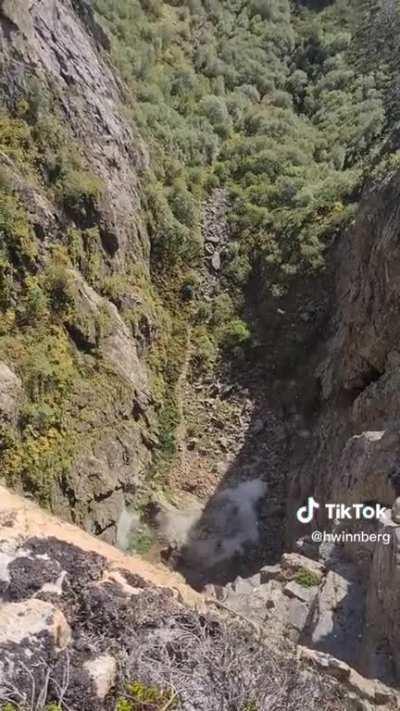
x: 266, y: 96
x: 235, y: 333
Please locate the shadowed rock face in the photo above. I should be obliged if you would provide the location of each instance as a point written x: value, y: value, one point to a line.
x: 368, y: 466
x: 352, y: 453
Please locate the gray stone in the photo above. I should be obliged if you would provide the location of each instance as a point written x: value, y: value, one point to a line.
x: 293, y: 563
x: 18, y: 12
x: 300, y: 592
x: 337, y: 621
x: 331, y: 597
x: 297, y: 614
x: 370, y: 691
x: 22, y: 622
x: 243, y: 585
x: 270, y: 572
x: 103, y: 672
x: 213, y: 237
x: 363, y: 472
x: 11, y: 394
x: 250, y: 603
x: 254, y: 580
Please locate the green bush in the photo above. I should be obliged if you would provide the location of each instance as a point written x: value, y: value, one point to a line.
x: 79, y: 190
x: 222, y: 309
x: 140, y: 696
x: 33, y: 307
x: 307, y: 578
x: 16, y: 140
x: 40, y: 417
x: 58, y: 283
x: 204, y: 350
x: 183, y: 205
x: 18, y: 243
x: 235, y: 333
x: 274, y: 109
x: 203, y: 313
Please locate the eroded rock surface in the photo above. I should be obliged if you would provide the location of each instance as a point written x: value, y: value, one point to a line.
x: 58, y: 45
x: 79, y: 621
x: 351, y: 454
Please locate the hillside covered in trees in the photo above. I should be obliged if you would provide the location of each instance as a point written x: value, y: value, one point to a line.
x: 286, y: 105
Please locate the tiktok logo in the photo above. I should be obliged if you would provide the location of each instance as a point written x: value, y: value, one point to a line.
x: 305, y: 514
x: 340, y: 512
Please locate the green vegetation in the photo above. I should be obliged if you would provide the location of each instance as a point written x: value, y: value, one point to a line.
x: 140, y: 697
x: 375, y: 49
x: 64, y: 390
x: 262, y: 98
x: 204, y: 350
x: 287, y: 107
x: 307, y: 578
x: 235, y: 333
x: 142, y: 540
x: 251, y: 706
x: 43, y: 451
x: 166, y: 361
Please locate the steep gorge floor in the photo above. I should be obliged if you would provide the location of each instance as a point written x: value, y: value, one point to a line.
x: 229, y: 477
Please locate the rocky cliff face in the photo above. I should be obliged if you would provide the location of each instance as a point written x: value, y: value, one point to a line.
x: 57, y: 46
x: 84, y: 626
x: 336, y: 390
x: 351, y: 454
